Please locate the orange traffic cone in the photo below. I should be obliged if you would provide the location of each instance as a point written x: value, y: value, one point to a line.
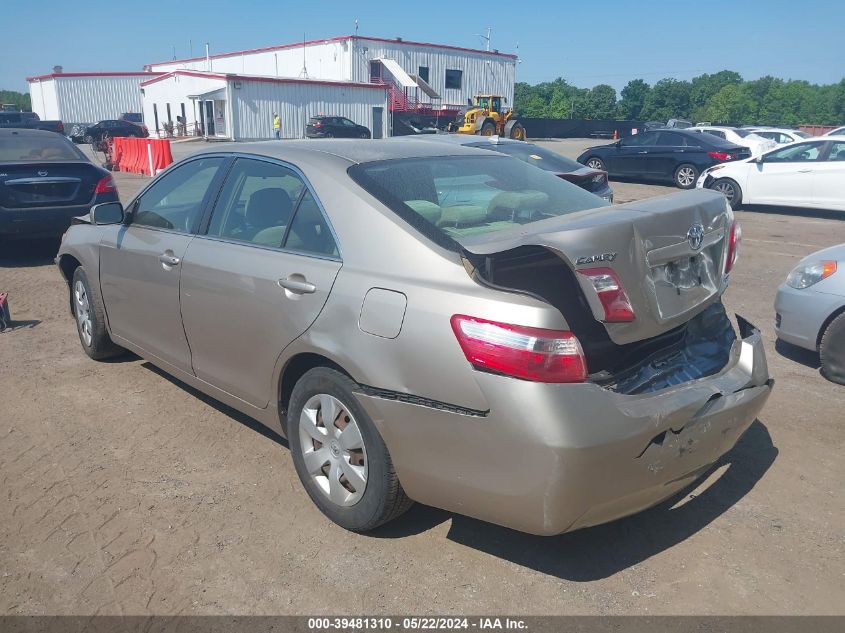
x: 615, y: 135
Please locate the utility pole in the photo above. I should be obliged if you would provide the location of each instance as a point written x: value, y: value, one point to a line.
x: 486, y: 38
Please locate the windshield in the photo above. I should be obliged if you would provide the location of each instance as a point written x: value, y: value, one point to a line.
x: 39, y: 147
x: 534, y: 155
x: 451, y: 197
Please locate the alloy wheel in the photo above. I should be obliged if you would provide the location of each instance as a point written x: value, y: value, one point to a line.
x: 83, y: 312
x: 594, y: 163
x: 333, y: 449
x: 725, y: 188
x: 686, y: 176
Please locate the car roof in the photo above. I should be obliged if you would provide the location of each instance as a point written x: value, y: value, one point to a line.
x: 350, y: 150
x: 24, y: 131
x: 462, y: 139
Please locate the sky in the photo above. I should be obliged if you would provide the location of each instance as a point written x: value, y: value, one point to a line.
x: 586, y: 42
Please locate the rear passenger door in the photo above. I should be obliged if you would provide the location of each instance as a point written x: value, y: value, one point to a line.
x: 829, y: 178
x: 257, y: 278
x: 666, y: 155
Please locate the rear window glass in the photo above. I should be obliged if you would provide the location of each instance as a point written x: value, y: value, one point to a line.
x: 534, y: 155
x: 38, y: 147
x: 448, y: 198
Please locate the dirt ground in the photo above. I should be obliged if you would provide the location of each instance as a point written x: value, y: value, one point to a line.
x: 127, y: 492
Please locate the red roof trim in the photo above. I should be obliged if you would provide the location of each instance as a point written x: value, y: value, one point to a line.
x: 121, y: 74
x: 342, y: 38
x: 261, y: 79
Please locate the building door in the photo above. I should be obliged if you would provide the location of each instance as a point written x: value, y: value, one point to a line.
x: 209, y: 118
x: 375, y: 72
x: 220, y: 117
x: 378, y: 122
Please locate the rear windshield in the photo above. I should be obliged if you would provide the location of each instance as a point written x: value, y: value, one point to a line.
x: 533, y: 155
x: 743, y: 133
x: 451, y: 197
x: 37, y: 147
x: 132, y: 117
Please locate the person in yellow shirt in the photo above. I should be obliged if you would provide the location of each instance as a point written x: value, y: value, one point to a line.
x: 277, y: 125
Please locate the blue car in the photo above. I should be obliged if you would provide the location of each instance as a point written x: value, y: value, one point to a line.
x: 674, y: 155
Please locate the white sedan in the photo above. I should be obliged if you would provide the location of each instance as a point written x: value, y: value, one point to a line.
x: 840, y: 131
x: 779, y: 135
x: 809, y: 173
x: 738, y: 136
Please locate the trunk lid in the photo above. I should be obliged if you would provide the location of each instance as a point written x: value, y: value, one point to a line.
x: 46, y: 184
x: 590, y: 179
x: 668, y: 277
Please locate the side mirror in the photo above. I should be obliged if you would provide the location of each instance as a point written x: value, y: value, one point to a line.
x: 107, y: 213
x: 759, y: 160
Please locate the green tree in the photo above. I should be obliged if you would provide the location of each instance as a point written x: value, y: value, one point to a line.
x: 733, y: 104
x: 704, y: 87
x: 20, y: 99
x: 634, y: 96
x: 668, y: 99
x: 601, y: 102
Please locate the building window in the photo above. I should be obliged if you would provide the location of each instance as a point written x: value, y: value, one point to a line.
x: 155, y: 115
x: 453, y: 79
x: 169, y: 118
x: 423, y: 73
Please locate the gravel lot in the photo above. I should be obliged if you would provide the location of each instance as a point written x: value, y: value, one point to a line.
x: 127, y: 492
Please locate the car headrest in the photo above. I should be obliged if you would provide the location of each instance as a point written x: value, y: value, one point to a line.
x: 268, y: 207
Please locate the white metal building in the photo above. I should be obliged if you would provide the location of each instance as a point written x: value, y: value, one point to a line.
x: 454, y: 74
x: 86, y: 97
x: 240, y: 107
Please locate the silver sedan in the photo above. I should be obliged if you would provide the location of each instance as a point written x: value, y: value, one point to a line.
x: 810, y: 309
x: 433, y: 323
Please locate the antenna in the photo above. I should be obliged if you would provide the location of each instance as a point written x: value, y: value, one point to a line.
x: 191, y: 48
x: 356, y: 26
x: 174, y: 52
x: 486, y: 38
x: 303, y: 74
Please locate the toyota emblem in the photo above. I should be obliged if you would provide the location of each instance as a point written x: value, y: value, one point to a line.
x: 695, y: 236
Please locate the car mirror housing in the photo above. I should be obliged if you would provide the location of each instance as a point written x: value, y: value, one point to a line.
x: 107, y: 213
x: 759, y: 160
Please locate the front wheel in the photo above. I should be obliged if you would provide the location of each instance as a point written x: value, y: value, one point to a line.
x: 596, y: 163
x: 488, y: 128
x: 90, y: 318
x: 339, y: 455
x: 686, y: 176
x: 832, y: 351
x: 731, y: 191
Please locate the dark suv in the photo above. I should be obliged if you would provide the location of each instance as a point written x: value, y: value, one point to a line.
x: 335, y: 127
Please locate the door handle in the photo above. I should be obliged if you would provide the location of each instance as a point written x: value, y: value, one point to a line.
x: 169, y: 260
x: 643, y: 151
x: 299, y: 286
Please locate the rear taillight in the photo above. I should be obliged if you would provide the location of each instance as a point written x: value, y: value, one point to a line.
x: 60, y: 127
x: 317, y: 124
x: 611, y: 293
x: 105, y: 185
x: 734, y: 239
x: 721, y: 155
x: 522, y: 352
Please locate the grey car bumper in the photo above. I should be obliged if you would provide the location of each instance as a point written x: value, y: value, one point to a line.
x: 548, y: 459
x: 800, y: 314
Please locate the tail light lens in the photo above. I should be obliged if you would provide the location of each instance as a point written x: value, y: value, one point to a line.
x: 60, y: 127
x: 734, y: 239
x: 536, y: 354
x: 105, y: 185
x: 617, y: 306
x: 317, y: 124
x: 721, y: 155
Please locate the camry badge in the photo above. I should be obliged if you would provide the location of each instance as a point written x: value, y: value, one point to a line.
x: 42, y: 173
x: 600, y: 257
x: 695, y: 236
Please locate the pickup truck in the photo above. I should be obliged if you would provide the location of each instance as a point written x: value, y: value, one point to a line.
x: 29, y: 120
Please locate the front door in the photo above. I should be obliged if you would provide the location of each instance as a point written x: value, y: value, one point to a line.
x: 140, y: 263
x: 209, y: 118
x: 829, y: 178
x: 784, y: 176
x: 626, y: 158
x: 257, y: 279
x: 378, y: 122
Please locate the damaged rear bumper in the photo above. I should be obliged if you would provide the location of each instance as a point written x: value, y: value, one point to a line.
x: 548, y: 459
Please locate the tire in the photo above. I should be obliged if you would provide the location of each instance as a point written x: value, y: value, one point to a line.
x: 488, y: 128
x: 382, y: 498
x: 364, y: 135
x: 517, y: 132
x: 686, y: 176
x: 594, y: 162
x: 89, y: 315
x: 88, y: 139
x: 730, y: 189
x: 832, y: 351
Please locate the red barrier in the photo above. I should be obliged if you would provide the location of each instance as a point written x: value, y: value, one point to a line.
x: 133, y: 155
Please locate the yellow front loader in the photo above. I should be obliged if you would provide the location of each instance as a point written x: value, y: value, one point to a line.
x: 486, y: 118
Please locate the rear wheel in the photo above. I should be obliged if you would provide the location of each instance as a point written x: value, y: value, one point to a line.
x: 364, y: 135
x: 517, y: 132
x: 596, y: 163
x: 730, y: 189
x: 488, y: 128
x: 685, y: 176
x: 832, y: 351
x: 339, y: 455
x: 90, y: 318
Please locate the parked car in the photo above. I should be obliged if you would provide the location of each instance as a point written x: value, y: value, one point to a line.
x: 132, y: 117
x: 29, y: 121
x: 810, y: 309
x: 679, y: 124
x: 738, y: 136
x: 436, y: 323
x: 779, y: 135
x: 335, y: 127
x: 675, y: 155
x: 840, y: 131
x: 806, y: 174
x: 114, y: 128
x: 593, y: 180
x: 45, y: 181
